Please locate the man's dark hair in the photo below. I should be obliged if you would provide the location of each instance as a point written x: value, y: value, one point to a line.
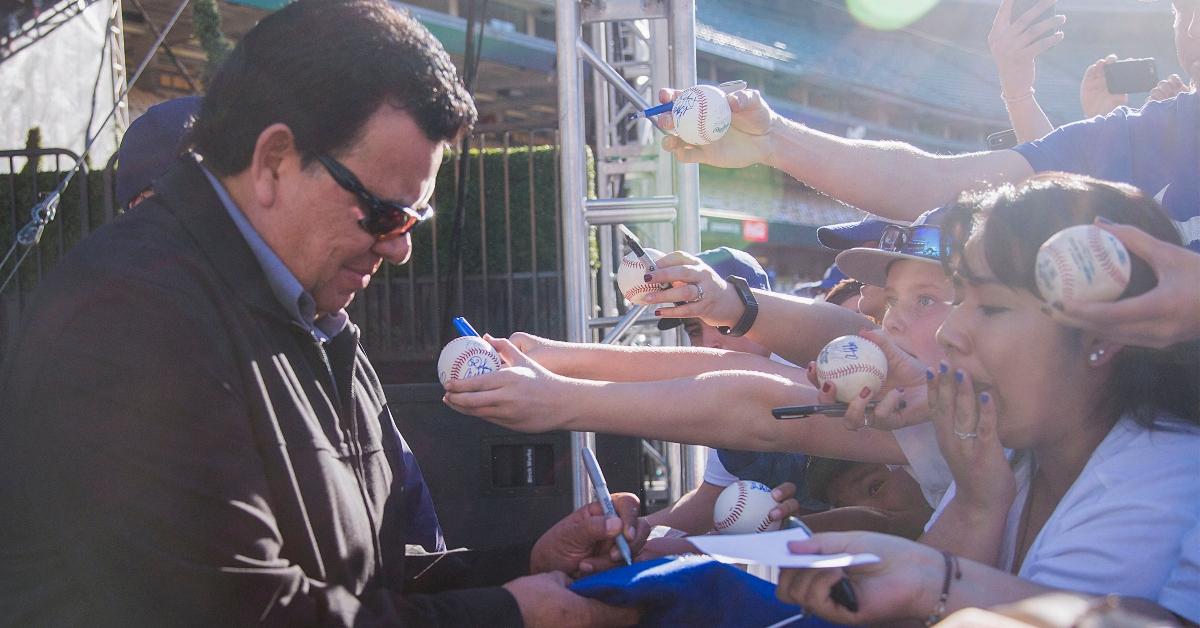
x: 323, y: 67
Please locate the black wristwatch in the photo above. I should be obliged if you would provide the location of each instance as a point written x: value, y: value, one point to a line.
x: 749, y: 315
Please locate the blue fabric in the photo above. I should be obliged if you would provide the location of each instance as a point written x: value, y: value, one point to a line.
x: 1156, y: 148
x: 692, y: 591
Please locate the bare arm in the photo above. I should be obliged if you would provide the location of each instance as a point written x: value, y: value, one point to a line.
x: 693, y: 513
x: 1015, y: 42
x: 891, y: 179
x: 724, y: 409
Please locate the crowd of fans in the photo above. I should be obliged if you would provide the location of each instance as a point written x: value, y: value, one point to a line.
x: 223, y: 453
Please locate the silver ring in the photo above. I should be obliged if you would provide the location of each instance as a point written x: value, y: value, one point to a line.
x: 699, y: 293
x: 966, y: 435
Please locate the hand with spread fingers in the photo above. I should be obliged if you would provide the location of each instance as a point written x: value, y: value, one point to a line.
x: 965, y: 423
x: 523, y: 396
x: 696, y: 291
x: 745, y: 144
x: 902, y: 400
x: 1167, y: 314
x: 1016, y: 40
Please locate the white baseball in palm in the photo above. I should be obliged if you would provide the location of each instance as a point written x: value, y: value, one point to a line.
x: 744, y: 507
x: 1082, y: 263
x: 702, y: 114
x: 465, y: 357
x: 852, y: 363
x: 630, y: 277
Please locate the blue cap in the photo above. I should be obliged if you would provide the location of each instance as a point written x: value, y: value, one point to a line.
x: 847, y: 235
x: 726, y: 261
x: 870, y: 265
x: 833, y: 275
x: 151, y: 144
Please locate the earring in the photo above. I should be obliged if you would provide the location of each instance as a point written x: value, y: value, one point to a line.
x: 1096, y: 355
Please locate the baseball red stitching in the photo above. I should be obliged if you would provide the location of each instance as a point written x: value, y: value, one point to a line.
x: 1066, y: 279
x: 853, y: 368
x: 634, y: 263
x: 1096, y: 243
x: 736, y: 512
x: 462, y: 358
x: 766, y: 523
x: 702, y: 118
x: 641, y: 289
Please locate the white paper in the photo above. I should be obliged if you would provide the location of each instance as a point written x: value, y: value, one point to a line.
x: 770, y: 548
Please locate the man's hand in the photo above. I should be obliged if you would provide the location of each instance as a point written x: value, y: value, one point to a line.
x: 1168, y: 88
x: 1094, y: 96
x: 1167, y: 314
x: 743, y: 145
x: 583, y: 541
x: 523, y: 396
x: 546, y: 602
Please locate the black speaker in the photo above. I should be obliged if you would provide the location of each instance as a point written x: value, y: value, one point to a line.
x: 491, y: 486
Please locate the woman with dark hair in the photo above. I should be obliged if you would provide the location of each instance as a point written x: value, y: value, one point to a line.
x: 1103, y: 480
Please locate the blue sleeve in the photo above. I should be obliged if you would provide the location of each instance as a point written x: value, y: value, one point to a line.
x: 1142, y: 147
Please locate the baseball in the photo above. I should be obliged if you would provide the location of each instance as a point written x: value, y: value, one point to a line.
x: 1082, y: 263
x: 744, y: 508
x: 852, y: 363
x: 466, y: 357
x: 630, y: 274
x: 702, y: 114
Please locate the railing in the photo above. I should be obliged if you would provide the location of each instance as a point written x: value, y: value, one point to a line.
x: 511, y: 277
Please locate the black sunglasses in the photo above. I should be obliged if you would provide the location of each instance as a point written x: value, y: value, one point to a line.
x: 384, y: 218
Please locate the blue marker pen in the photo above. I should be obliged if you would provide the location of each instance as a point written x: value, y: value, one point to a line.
x: 602, y: 495
x: 464, y: 328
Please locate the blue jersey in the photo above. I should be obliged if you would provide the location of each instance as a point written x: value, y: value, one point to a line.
x: 1156, y: 148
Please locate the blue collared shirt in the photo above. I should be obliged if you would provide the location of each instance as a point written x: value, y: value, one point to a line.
x: 296, y: 301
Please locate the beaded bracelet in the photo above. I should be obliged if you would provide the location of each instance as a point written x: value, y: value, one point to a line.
x: 952, y: 568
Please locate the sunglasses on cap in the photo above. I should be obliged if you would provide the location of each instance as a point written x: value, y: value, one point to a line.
x: 921, y: 240
x: 384, y: 218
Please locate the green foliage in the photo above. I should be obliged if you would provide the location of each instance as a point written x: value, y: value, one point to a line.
x: 206, y: 23
x: 510, y: 224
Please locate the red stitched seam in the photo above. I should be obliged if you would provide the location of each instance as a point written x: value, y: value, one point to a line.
x: 635, y: 263
x: 1097, y: 245
x: 462, y: 358
x: 766, y: 523
x: 853, y: 368
x: 702, y: 118
x: 641, y: 288
x: 736, y: 512
x: 1066, y: 278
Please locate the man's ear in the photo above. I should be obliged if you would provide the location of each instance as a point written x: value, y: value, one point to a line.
x: 274, y: 147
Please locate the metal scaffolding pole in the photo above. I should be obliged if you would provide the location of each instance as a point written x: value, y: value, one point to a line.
x: 637, y: 181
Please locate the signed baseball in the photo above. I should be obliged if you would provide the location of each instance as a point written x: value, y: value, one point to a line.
x: 852, y: 363
x: 744, y: 508
x: 630, y: 274
x: 1082, y: 263
x: 466, y: 357
x: 702, y: 114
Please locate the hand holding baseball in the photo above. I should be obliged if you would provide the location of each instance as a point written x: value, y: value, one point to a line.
x: 523, y: 396
x: 742, y: 145
x: 1167, y: 314
x: 903, y: 399
x: 689, y: 278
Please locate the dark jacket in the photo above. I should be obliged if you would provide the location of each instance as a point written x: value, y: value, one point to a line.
x: 174, y: 450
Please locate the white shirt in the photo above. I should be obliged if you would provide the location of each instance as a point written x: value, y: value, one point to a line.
x: 926, y: 464
x: 1121, y: 526
x: 1181, y: 595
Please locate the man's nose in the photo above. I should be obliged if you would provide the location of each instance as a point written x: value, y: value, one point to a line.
x: 395, y: 249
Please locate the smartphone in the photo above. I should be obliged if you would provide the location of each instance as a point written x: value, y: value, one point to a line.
x: 801, y: 412
x: 1001, y: 140
x: 1021, y: 6
x: 1131, y: 76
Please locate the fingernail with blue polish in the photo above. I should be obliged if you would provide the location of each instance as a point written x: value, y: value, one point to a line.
x: 958, y: 376
x: 1104, y: 221
x: 943, y: 367
x: 929, y: 374
x: 984, y: 398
